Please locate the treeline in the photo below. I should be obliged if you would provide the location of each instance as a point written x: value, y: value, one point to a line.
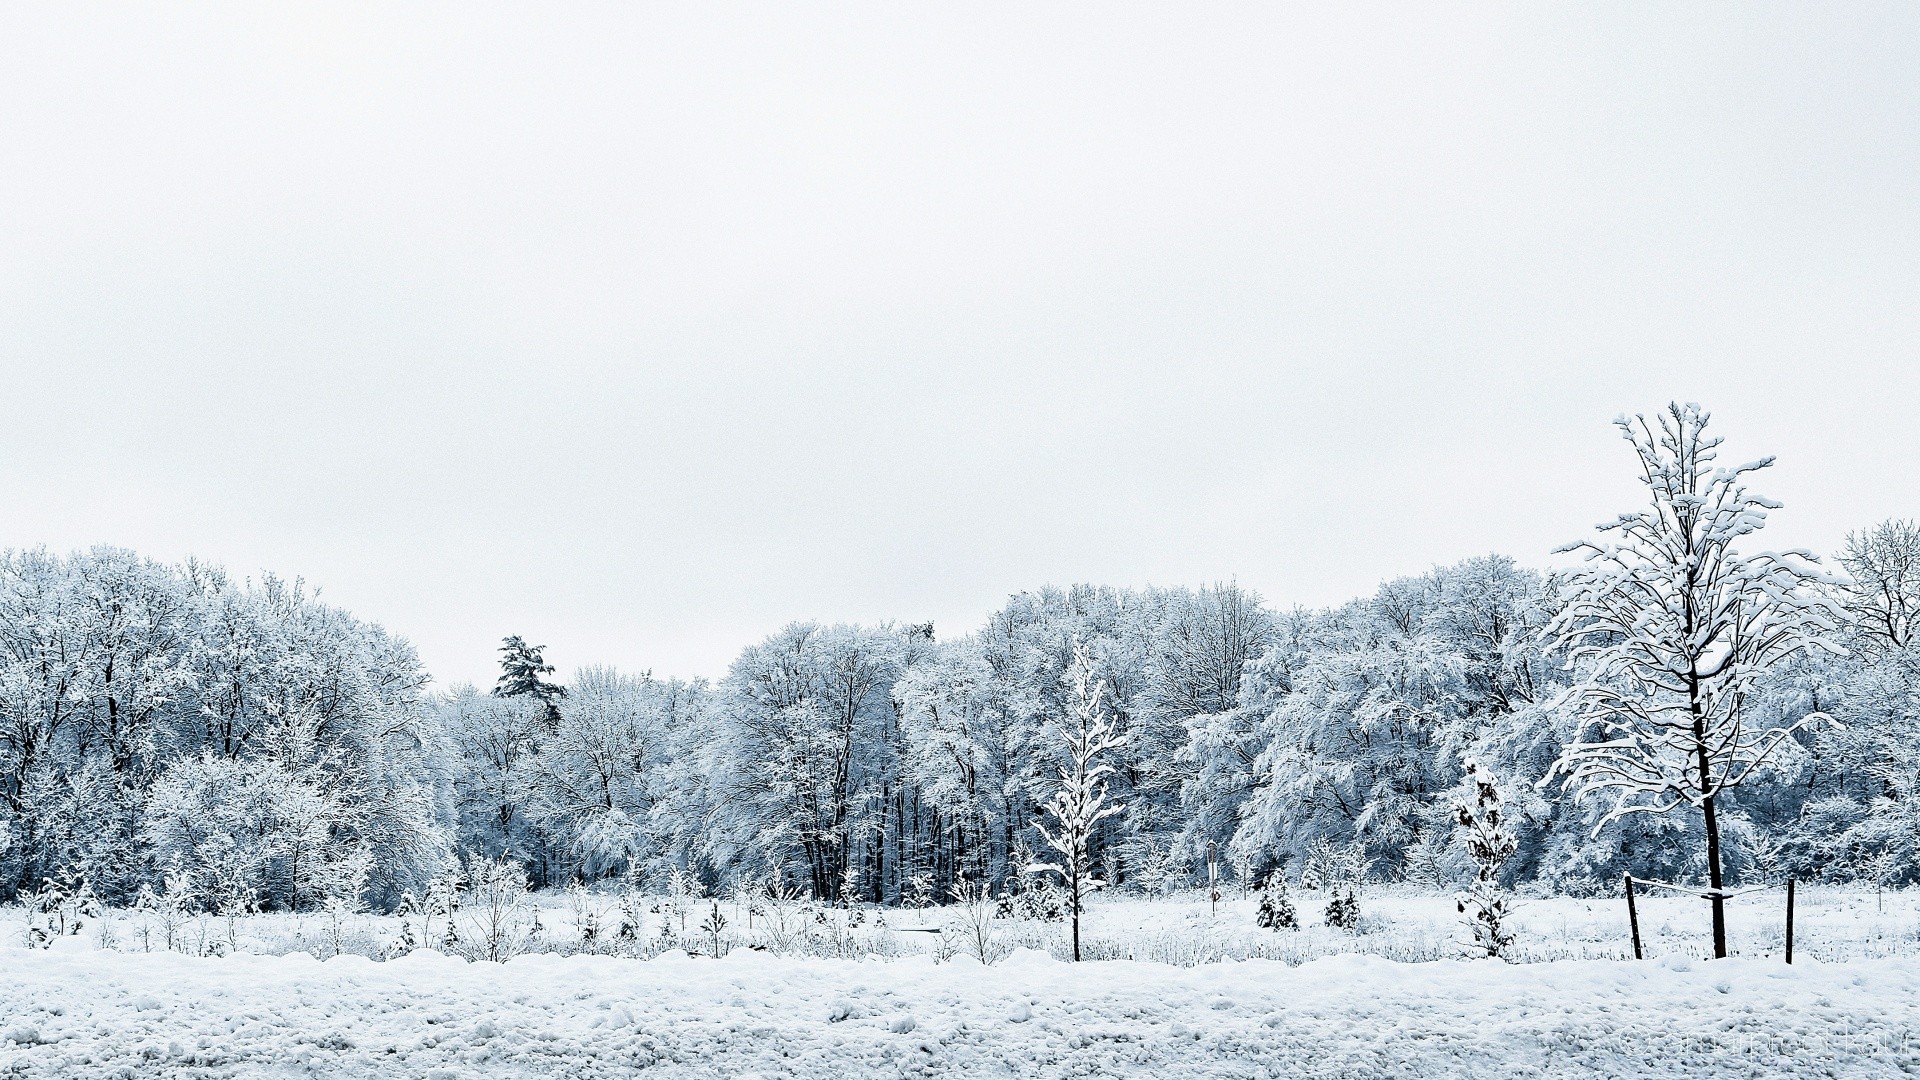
x: 245, y: 740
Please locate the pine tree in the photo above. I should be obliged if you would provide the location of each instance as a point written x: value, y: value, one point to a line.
x: 1343, y: 910
x: 523, y: 672
x: 1276, y: 907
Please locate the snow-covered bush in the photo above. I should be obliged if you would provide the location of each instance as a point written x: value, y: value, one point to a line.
x: 973, y: 923
x: 1484, y: 904
x: 62, y: 906
x: 497, y: 917
x: 920, y: 891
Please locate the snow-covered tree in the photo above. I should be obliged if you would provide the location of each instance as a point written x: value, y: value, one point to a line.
x: 1079, y: 801
x: 595, y: 782
x: 523, y: 673
x: 1882, y: 590
x: 804, y: 753
x: 1674, y: 626
x: 494, y: 743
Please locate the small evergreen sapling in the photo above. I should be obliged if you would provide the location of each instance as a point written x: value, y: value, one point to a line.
x: 1343, y: 910
x: 1484, y: 904
x: 711, y: 926
x: 408, y: 939
x: 61, y: 907
x: 1276, y: 906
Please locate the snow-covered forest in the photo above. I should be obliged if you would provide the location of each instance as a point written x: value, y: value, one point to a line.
x: 168, y: 726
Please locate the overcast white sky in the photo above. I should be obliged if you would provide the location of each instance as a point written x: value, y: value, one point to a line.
x: 641, y: 330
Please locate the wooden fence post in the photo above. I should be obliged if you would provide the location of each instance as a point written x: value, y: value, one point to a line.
x: 1633, y: 918
x: 1789, y: 920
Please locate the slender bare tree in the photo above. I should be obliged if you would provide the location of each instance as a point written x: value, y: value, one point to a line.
x: 1080, y: 796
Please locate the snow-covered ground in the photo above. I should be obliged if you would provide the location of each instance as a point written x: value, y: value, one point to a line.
x: 76, y: 1011
x: 1848, y: 1006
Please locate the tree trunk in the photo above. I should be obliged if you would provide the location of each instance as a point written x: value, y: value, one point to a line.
x: 1713, y: 873
x: 1073, y: 900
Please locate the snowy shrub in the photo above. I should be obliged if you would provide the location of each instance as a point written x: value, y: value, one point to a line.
x: 1424, y: 864
x: 170, y: 909
x: 1156, y: 868
x: 496, y: 913
x: 1243, y: 872
x: 62, y: 906
x: 1484, y: 905
x: 920, y: 891
x: 975, y: 911
x: 339, y: 912
x: 589, y: 911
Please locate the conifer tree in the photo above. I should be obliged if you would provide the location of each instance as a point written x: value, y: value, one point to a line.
x: 523, y: 673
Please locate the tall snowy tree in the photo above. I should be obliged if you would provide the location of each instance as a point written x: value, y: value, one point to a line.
x: 804, y: 750
x: 523, y: 673
x: 1882, y: 591
x: 1673, y: 627
x: 1079, y: 801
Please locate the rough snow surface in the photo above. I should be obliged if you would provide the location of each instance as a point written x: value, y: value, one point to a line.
x: 77, y: 1011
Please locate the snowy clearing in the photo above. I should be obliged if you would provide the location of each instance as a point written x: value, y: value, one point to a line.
x: 1314, y: 1002
x: 81, y: 1011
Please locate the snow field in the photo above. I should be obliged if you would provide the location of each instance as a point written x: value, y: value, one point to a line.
x: 77, y: 1010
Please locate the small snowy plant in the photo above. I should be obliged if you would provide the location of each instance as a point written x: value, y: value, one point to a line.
x: 1322, y: 867
x: 1343, y: 910
x: 61, y: 907
x: 711, y: 926
x: 920, y: 891
x: 497, y: 912
x: 1276, y: 906
x: 1079, y: 800
x: 340, y: 911
x: 441, y: 901
x: 589, y: 911
x: 975, y: 911
x: 1243, y: 872
x: 684, y: 886
x: 1484, y: 905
